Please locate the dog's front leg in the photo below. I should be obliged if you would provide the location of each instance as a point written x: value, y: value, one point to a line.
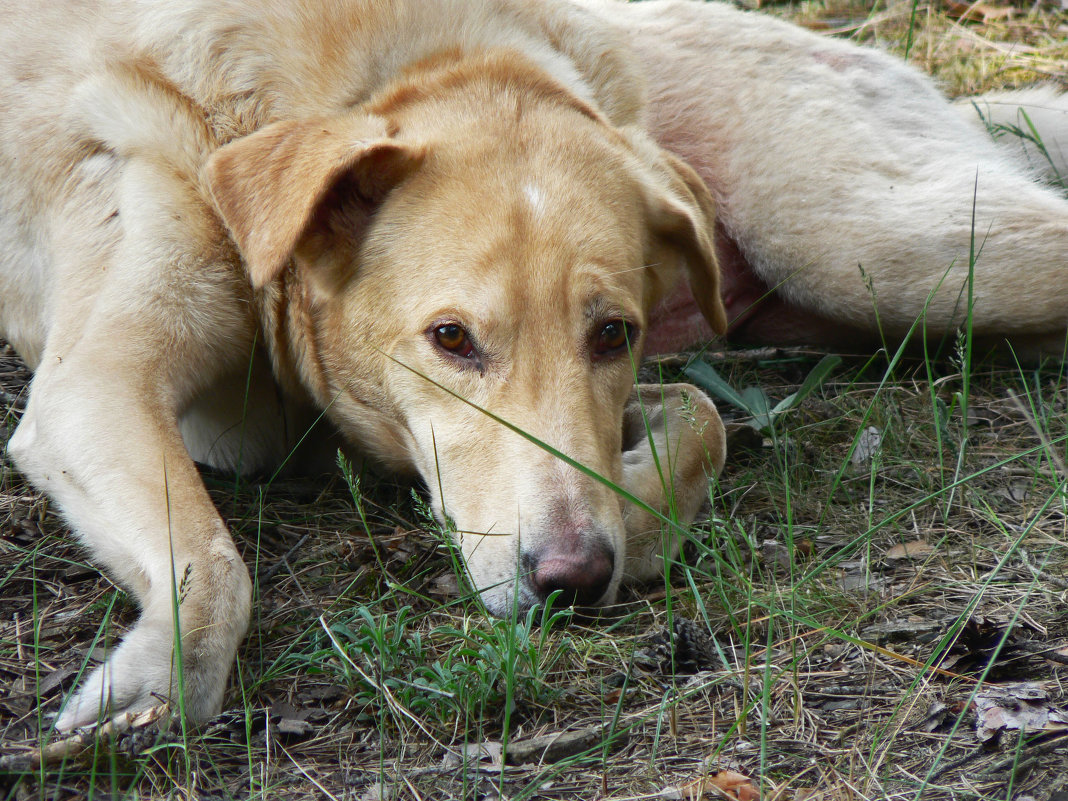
x: 673, y: 444
x: 100, y: 435
x: 147, y: 309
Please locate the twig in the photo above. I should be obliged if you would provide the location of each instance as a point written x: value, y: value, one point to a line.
x: 1039, y: 573
x: 1049, y: 652
x: 976, y: 753
x: 284, y: 561
x: 75, y: 745
x: 741, y: 355
x: 1033, y: 753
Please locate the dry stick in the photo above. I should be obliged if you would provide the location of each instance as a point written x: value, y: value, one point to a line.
x: 1039, y: 573
x: 908, y: 660
x: 976, y: 753
x: 748, y: 355
x: 77, y: 744
x: 1049, y: 652
x: 1033, y: 753
x: 284, y: 561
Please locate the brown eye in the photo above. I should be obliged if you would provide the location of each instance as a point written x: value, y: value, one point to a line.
x: 613, y: 338
x: 453, y: 338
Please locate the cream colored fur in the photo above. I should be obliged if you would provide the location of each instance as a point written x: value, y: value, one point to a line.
x: 317, y: 191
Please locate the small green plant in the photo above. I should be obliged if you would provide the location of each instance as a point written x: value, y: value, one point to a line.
x: 1026, y: 133
x: 763, y: 414
x: 438, y: 676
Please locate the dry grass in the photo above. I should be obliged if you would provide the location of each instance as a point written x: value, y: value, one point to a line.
x: 1017, y: 44
x: 800, y: 645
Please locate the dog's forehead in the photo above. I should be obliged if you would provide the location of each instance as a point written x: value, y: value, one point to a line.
x: 525, y: 238
x: 551, y: 210
x: 551, y: 219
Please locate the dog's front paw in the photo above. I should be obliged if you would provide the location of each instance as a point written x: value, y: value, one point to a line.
x: 141, y: 674
x: 673, y: 443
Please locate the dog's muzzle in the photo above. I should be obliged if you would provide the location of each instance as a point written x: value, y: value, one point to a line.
x: 583, y: 575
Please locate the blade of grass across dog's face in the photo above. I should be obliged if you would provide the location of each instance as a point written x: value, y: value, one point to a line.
x: 618, y: 490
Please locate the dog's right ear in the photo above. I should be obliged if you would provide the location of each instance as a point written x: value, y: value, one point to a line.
x: 275, y: 187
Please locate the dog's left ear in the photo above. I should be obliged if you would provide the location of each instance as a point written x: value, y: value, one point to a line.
x: 277, y: 188
x: 684, y: 216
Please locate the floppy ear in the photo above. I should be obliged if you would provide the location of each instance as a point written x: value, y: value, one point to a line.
x: 685, y: 218
x: 270, y: 187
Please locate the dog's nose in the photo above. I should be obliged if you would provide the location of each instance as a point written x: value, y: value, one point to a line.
x: 582, y: 575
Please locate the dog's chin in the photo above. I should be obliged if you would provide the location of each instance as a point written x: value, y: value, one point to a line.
x: 501, y: 602
x: 506, y: 601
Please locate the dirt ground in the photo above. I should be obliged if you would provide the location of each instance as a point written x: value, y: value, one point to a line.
x: 887, y: 639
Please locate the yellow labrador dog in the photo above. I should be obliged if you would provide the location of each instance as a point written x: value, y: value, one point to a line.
x: 411, y: 214
x: 426, y: 216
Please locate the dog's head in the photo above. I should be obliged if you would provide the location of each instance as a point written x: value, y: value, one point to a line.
x: 472, y: 260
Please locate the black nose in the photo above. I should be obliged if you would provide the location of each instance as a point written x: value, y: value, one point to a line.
x: 583, y: 576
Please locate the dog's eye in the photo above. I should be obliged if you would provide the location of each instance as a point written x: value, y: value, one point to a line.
x: 454, y: 339
x: 613, y: 338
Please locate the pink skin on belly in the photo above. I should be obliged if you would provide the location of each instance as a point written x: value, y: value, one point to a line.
x: 701, y: 134
x: 755, y: 313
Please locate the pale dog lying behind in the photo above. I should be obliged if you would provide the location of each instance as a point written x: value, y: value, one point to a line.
x: 456, y: 193
x: 825, y: 158
x: 388, y: 206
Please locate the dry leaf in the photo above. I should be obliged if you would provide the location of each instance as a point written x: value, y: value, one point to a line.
x: 917, y: 549
x: 721, y: 784
x: 867, y: 446
x: 1025, y: 707
x: 294, y: 727
x: 979, y: 12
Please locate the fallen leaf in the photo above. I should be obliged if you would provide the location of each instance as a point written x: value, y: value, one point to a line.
x: 54, y: 679
x: 917, y: 549
x: 445, y: 586
x: 1024, y: 707
x: 376, y: 792
x: 721, y: 784
x: 293, y: 727
x: 867, y: 446
x: 486, y: 756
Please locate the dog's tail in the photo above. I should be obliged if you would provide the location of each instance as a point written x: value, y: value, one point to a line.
x: 1033, y: 122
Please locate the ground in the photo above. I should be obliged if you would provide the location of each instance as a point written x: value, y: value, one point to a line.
x: 873, y: 607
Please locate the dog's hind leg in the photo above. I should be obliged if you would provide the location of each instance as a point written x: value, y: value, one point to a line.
x: 846, y: 184
x: 167, y: 313
x: 673, y: 445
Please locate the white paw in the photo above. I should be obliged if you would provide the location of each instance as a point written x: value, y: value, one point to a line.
x: 673, y: 444
x: 138, y: 676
